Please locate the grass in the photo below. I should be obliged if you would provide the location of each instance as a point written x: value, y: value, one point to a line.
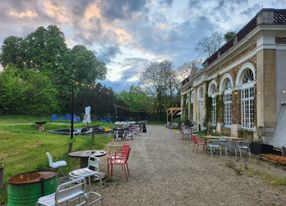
x: 270, y: 178
x: 22, y: 118
x: 23, y: 148
x: 266, y: 176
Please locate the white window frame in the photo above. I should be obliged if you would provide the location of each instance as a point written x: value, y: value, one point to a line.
x: 247, y: 106
x: 227, y: 101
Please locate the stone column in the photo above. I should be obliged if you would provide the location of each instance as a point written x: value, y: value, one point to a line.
x: 182, y: 106
x: 236, y: 113
x: 266, y: 91
x: 195, y: 105
x: 219, y: 113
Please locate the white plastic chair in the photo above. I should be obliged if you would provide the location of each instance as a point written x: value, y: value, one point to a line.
x: 57, y: 164
x: 71, y: 192
x: 92, y: 170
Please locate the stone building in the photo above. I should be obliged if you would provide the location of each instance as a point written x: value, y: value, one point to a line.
x: 239, y: 90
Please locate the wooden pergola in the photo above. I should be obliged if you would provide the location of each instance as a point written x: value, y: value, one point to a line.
x: 172, y: 111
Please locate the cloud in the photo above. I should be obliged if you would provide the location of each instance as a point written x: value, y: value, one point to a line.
x: 108, y: 53
x: 129, y: 34
x: 114, y: 9
x: 117, y: 86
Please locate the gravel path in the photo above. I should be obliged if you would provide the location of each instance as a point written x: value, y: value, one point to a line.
x: 165, y: 171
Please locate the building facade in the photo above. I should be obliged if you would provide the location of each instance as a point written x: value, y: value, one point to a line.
x: 239, y: 90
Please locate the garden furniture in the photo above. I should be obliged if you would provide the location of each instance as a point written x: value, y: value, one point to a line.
x: 84, y: 155
x: 92, y: 170
x: 119, y: 133
x: 214, y: 145
x: 243, y: 145
x: 40, y: 125
x: 198, y: 142
x: 71, y: 192
x: 57, y: 164
x: 120, y: 159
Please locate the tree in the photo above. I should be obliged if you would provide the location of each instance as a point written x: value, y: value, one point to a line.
x: 211, y: 44
x: 136, y: 99
x: 86, y: 67
x: 229, y: 36
x: 100, y: 98
x: 11, y: 51
x: 45, y: 51
x: 187, y: 68
x: 30, y: 92
x: 160, y: 81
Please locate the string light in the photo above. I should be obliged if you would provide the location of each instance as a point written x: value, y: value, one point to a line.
x: 137, y: 110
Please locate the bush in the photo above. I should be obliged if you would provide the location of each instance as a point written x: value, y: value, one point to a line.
x: 29, y: 92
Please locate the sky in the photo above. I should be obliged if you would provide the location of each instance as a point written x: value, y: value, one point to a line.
x: 129, y: 34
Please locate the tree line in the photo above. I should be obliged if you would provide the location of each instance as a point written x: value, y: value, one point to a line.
x: 41, y: 72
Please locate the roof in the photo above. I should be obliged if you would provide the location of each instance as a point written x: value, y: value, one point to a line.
x: 264, y: 16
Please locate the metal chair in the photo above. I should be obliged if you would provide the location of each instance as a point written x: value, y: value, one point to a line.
x: 72, y: 192
x: 120, y: 159
x: 243, y: 145
x: 57, y: 164
x: 229, y: 147
x: 119, y: 133
x: 197, y: 142
x: 92, y: 170
x: 214, y: 145
x: 186, y: 133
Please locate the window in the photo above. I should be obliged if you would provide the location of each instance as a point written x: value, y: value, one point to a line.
x: 247, y: 100
x: 212, y: 94
x: 227, y: 101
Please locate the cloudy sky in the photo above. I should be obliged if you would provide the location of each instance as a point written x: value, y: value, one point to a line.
x: 128, y: 34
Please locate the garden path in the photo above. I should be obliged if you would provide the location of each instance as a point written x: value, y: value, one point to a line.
x: 165, y: 171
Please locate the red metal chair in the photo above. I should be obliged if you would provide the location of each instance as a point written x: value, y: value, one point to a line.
x: 120, y: 159
x: 197, y: 142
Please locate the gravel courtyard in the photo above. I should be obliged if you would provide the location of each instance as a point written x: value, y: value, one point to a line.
x: 165, y: 171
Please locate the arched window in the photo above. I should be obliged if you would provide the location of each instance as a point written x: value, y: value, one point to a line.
x: 247, y: 77
x: 227, y: 101
x: 212, y: 94
x: 247, y: 99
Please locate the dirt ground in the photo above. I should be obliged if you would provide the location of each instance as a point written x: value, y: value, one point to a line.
x: 165, y: 171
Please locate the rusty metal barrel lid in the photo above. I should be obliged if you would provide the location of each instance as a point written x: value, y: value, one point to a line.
x: 31, y: 177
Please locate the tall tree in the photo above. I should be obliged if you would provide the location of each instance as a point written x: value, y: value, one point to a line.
x: 29, y: 92
x: 100, y: 98
x: 136, y: 99
x: 86, y: 67
x: 11, y: 52
x: 44, y: 50
x: 160, y: 81
x: 211, y: 44
x: 187, y: 68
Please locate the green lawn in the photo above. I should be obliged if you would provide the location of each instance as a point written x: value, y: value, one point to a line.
x: 23, y: 148
x: 22, y: 118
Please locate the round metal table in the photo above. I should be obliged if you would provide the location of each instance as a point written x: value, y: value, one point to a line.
x: 83, y: 155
